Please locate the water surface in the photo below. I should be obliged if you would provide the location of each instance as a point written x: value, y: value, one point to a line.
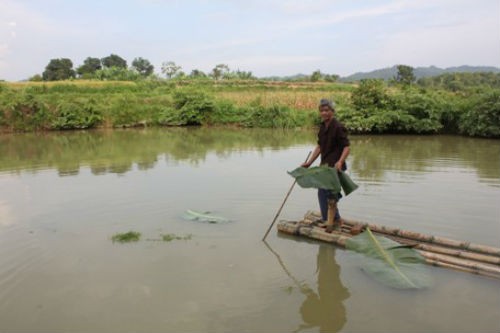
x: 63, y: 195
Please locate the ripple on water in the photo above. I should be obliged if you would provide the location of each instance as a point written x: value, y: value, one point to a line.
x: 22, y: 252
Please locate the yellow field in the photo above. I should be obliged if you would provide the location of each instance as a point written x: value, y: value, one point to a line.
x: 294, y: 99
x: 81, y: 83
x: 296, y: 95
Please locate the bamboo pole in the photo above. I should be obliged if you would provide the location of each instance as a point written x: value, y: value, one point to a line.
x: 449, y: 251
x: 478, y: 248
x: 460, y: 262
x: 283, y: 203
x: 302, y: 229
x: 460, y: 268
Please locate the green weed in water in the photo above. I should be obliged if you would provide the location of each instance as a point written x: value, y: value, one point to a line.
x: 171, y: 237
x: 131, y: 236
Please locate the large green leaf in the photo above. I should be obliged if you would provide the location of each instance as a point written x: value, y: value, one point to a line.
x: 317, y: 177
x: 389, y: 262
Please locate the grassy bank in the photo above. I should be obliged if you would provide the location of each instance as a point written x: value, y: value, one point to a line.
x: 369, y: 107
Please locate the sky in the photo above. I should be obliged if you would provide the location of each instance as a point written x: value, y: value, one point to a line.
x: 266, y: 37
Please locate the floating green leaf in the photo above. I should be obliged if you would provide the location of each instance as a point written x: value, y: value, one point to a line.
x: 204, y: 217
x: 389, y: 263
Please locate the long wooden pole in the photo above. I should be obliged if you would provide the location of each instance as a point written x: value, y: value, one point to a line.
x: 281, y: 207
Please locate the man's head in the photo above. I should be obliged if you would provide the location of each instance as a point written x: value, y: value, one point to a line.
x: 326, y: 109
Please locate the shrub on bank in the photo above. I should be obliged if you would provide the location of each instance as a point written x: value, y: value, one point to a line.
x: 371, y: 107
x: 77, y: 114
x: 482, y: 116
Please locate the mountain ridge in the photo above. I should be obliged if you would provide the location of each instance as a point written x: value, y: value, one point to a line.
x: 388, y: 73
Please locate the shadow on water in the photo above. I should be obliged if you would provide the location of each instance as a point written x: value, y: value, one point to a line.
x: 323, y: 308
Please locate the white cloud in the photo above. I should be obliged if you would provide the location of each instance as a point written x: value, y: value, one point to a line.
x: 476, y: 42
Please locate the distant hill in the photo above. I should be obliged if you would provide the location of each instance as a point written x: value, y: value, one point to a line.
x: 390, y: 72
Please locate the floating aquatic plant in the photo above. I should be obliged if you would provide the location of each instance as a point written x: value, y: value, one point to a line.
x: 171, y: 237
x: 131, y: 236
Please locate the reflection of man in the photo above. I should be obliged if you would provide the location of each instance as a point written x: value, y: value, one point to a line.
x: 325, y: 309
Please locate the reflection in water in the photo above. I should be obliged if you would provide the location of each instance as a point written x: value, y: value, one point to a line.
x: 323, y: 309
x: 373, y: 156
x: 119, y: 151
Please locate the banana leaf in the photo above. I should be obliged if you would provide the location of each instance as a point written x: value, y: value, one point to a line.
x: 323, y: 177
x: 317, y: 177
x: 389, y: 263
x: 348, y: 186
x: 203, y: 217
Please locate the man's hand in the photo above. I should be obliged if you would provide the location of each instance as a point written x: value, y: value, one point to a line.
x: 338, y: 165
x: 305, y: 165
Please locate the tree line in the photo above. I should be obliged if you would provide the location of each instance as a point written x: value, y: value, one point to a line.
x: 114, y: 67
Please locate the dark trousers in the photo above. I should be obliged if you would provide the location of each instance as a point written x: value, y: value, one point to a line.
x: 323, y: 196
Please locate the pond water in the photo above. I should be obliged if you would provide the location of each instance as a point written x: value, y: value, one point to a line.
x: 64, y: 195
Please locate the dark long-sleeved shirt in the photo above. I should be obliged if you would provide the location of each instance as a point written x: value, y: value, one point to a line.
x: 332, y: 140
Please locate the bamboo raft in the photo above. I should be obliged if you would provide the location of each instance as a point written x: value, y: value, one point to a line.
x: 438, y: 251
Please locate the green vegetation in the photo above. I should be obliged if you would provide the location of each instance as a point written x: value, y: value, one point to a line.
x: 171, y: 237
x: 370, y: 106
x: 131, y: 236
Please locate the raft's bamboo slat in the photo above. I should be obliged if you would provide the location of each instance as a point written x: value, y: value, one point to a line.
x: 436, y: 255
x: 484, y: 258
x: 316, y: 233
x: 449, y: 251
x: 478, y: 248
x: 460, y: 262
x: 460, y: 268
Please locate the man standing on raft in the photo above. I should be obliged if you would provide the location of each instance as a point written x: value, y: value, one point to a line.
x: 333, y: 146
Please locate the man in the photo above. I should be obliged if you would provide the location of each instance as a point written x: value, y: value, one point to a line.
x: 333, y: 146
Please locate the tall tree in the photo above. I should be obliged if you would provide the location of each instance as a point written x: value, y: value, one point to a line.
x: 316, y: 76
x: 170, y: 69
x: 243, y: 75
x: 405, y: 75
x: 143, y: 66
x: 114, y: 60
x: 219, y: 70
x: 196, y: 73
x: 90, y: 66
x: 59, y: 69
x: 331, y: 77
